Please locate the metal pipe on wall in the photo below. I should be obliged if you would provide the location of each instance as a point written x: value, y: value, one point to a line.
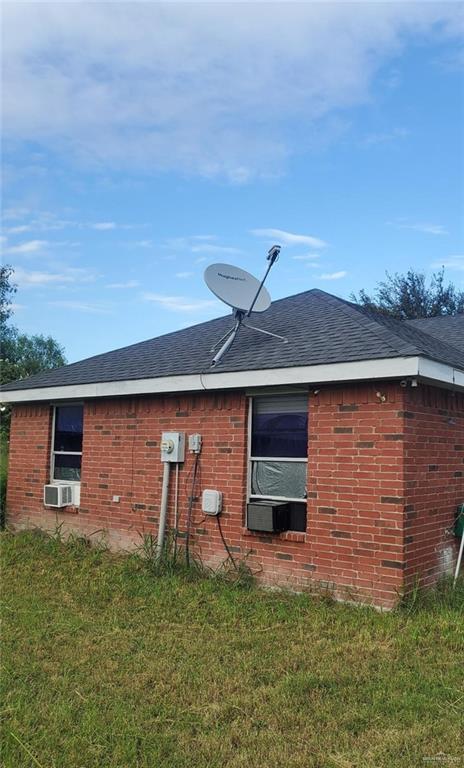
x: 163, y: 510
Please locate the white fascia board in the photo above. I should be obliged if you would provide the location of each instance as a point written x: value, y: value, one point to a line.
x: 363, y: 370
x: 459, y: 378
x: 430, y: 370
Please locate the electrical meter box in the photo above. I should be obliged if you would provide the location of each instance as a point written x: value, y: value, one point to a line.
x: 211, y: 502
x: 173, y: 447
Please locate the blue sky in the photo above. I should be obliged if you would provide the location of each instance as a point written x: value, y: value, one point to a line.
x: 142, y: 142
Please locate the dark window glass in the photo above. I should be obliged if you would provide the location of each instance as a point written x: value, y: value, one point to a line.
x: 280, y: 427
x: 67, y: 467
x: 68, y: 428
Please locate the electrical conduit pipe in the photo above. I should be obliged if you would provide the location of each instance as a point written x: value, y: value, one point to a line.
x: 163, y: 511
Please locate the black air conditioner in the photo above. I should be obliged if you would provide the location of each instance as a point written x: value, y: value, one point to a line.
x: 268, y: 516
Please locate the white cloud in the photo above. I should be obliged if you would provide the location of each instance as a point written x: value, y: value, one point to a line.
x: 14, y: 213
x: 143, y: 244
x: 30, y: 246
x: 80, y: 306
x: 385, y: 137
x: 45, y: 221
x: 69, y: 275
x: 103, y: 226
x: 333, y: 275
x: 39, y: 221
x: 128, y: 284
x: 181, y: 303
x: 18, y: 230
x: 167, y: 85
x: 289, y: 238
x: 429, y: 228
x: 189, y: 242
x: 307, y: 257
x: 184, y: 275
x: 206, y: 248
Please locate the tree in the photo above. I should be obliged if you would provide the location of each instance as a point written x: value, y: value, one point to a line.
x: 7, y: 289
x: 408, y: 297
x: 24, y: 355
x: 21, y: 355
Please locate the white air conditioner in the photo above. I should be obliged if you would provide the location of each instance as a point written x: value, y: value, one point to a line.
x: 58, y: 495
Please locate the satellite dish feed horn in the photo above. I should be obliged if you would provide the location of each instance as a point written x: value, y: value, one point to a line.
x: 244, y: 293
x: 272, y: 256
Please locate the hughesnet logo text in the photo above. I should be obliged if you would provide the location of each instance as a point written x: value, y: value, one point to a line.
x: 231, y: 277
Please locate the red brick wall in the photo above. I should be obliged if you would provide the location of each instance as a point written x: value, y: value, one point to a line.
x: 121, y: 456
x: 434, y: 479
x: 363, y: 449
x: 29, y: 463
x: 355, y: 521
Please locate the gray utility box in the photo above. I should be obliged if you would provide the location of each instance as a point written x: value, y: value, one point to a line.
x: 268, y: 516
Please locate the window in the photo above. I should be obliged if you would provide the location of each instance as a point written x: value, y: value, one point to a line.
x: 67, y: 443
x: 279, y: 452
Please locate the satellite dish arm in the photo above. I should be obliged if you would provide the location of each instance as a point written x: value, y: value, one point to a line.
x: 229, y: 340
x: 272, y: 257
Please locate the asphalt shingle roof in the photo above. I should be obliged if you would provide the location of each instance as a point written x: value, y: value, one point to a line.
x: 448, y: 328
x: 320, y: 328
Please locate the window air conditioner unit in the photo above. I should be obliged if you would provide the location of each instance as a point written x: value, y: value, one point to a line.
x: 58, y: 495
x: 268, y: 516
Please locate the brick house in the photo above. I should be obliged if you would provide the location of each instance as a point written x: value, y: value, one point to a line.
x: 355, y: 426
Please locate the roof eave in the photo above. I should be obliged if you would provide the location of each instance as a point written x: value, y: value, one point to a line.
x: 433, y: 372
x: 363, y: 370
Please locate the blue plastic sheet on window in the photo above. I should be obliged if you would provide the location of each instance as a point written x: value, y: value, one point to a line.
x: 279, y: 478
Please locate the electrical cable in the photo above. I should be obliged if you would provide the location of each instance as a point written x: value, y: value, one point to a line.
x: 190, y: 506
x: 205, y: 388
x: 176, y: 509
x: 226, y: 547
x: 187, y: 481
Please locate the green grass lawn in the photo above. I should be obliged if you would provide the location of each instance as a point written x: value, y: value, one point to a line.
x: 106, y: 665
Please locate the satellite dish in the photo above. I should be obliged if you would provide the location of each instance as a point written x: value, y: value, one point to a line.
x: 236, y: 288
x: 244, y: 293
